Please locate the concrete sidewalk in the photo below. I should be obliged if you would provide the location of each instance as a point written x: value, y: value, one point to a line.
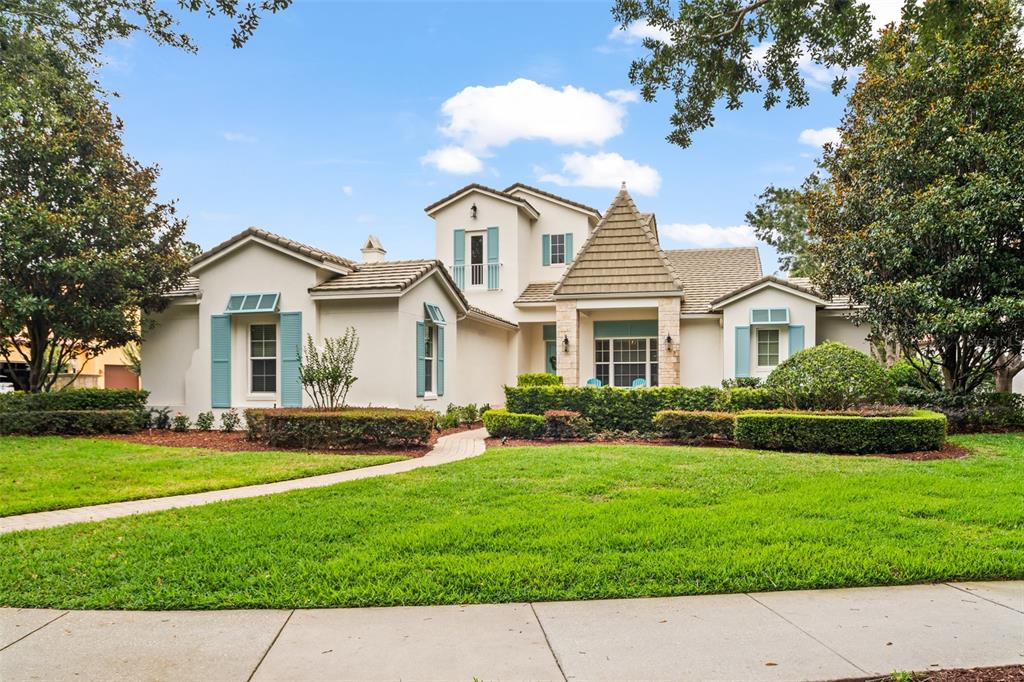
x: 461, y: 445
x: 812, y: 635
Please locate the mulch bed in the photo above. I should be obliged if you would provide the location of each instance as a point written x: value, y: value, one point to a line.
x: 949, y: 451
x: 236, y: 442
x: 1005, y: 673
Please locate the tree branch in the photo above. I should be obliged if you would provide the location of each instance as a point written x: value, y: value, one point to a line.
x: 739, y: 13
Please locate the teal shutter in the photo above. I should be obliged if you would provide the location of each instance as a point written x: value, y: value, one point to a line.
x: 220, y: 361
x: 742, y: 351
x: 545, y: 242
x: 796, y: 339
x: 291, y: 348
x: 568, y: 247
x: 421, y: 364
x: 492, y: 258
x: 459, y: 258
x: 440, y: 361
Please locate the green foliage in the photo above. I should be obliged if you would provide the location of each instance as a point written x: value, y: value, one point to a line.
x: 972, y: 413
x: 75, y: 399
x: 456, y: 415
x: 822, y: 432
x: 85, y: 245
x: 326, y: 375
x: 709, y: 59
x: 742, y: 382
x: 695, y: 426
x: 831, y: 376
x: 566, y: 424
x: 69, y: 422
x: 504, y: 424
x: 255, y: 424
x: 743, y: 398
x: 780, y: 219
x: 181, y: 423
x: 159, y: 418
x: 204, y: 421
x: 340, y: 429
x: 921, y: 222
x: 904, y: 373
x: 610, y: 408
x: 229, y: 420
x: 538, y: 379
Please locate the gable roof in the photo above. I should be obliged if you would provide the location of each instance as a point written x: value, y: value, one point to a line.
x: 538, y: 292
x: 621, y: 256
x: 318, y: 256
x: 520, y: 203
x: 708, y: 274
x: 590, y: 210
x: 769, y: 281
x: 834, y: 303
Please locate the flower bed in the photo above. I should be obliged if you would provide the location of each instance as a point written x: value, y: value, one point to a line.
x: 841, y: 433
x: 338, y: 429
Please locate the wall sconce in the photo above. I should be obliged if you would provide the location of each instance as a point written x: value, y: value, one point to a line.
x: 565, y: 343
x: 472, y: 211
x: 668, y: 342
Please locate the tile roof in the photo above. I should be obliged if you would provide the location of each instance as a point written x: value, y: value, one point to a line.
x: 708, y: 274
x: 483, y: 188
x: 621, y: 256
x: 772, y: 279
x: 552, y: 195
x: 836, y: 302
x: 395, y: 274
x: 538, y: 292
x: 486, y: 313
x: 190, y: 287
x: 284, y: 242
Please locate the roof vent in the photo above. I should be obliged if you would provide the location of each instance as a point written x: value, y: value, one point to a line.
x: 373, y: 250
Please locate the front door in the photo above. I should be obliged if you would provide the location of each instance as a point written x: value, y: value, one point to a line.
x: 550, y: 358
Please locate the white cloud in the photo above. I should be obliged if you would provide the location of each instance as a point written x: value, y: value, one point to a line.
x: 453, y: 160
x: 238, y: 137
x: 623, y: 96
x: 884, y: 12
x: 481, y: 117
x: 817, y: 138
x: 347, y: 190
x: 638, y: 30
x: 605, y: 170
x: 702, y: 234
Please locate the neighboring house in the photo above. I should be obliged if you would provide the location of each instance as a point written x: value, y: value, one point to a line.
x: 525, y: 281
x: 109, y: 369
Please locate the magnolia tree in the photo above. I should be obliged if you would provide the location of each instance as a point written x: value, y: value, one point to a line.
x: 326, y: 373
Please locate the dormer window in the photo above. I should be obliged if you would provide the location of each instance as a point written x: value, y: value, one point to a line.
x: 558, y: 249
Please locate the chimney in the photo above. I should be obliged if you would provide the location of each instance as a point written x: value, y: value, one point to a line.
x: 373, y: 251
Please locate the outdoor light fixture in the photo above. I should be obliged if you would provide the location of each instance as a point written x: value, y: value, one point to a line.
x: 565, y: 343
x: 472, y: 211
x: 668, y: 342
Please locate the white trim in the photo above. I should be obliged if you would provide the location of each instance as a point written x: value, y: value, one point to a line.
x: 529, y: 210
x: 757, y: 348
x: 764, y: 285
x: 226, y: 251
x: 487, y: 319
x: 595, y: 216
x: 262, y: 395
x: 611, y: 356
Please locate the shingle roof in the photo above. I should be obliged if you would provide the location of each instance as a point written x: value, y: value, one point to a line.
x: 396, y: 274
x: 538, y: 292
x: 789, y: 284
x: 483, y: 188
x: 189, y: 288
x: 707, y: 274
x: 284, y: 242
x: 552, y: 195
x: 621, y: 256
x: 836, y: 302
x: 486, y: 313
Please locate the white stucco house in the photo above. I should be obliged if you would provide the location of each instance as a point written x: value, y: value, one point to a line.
x: 522, y: 281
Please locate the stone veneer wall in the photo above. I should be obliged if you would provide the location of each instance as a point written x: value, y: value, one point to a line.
x: 668, y: 324
x: 567, y: 325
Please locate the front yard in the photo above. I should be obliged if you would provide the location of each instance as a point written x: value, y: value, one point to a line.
x: 39, y: 473
x: 551, y: 523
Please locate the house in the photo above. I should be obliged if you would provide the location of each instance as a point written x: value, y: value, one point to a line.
x: 523, y: 281
x: 110, y: 369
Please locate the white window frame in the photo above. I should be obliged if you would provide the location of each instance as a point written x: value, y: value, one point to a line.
x: 429, y: 360
x: 264, y: 395
x: 551, y: 248
x: 778, y: 347
x: 480, y: 267
x: 652, y: 343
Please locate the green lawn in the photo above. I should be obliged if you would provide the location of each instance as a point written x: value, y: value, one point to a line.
x: 57, y: 473
x: 574, y: 522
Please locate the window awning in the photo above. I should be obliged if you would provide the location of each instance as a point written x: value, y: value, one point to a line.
x: 252, y: 303
x: 433, y: 313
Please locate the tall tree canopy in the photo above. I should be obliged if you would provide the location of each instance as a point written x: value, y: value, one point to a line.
x: 85, y: 246
x: 780, y: 219
x: 717, y: 51
x: 923, y: 220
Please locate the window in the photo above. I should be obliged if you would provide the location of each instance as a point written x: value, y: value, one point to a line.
x: 558, y: 249
x: 767, y: 347
x: 433, y: 313
x: 263, y: 358
x: 252, y: 303
x: 429, y: 332
x: 769, y: 316
x: 476, y: 259
x: 619, y: 362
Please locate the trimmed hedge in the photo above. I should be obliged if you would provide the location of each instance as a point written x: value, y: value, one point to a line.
x: 695, y: 426
x: 746, y: 398
x: 504, y: 424
x: 566, y: 424
x: 971, y: 413
x: 70, y: 422
x: 819, y: 432
x: 74, y: 399
x: 321, y: 429
x: 538, y: 379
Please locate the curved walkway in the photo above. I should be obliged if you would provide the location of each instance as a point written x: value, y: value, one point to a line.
x: 462, y: 445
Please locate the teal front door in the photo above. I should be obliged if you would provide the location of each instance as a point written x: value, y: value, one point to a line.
x: 549, y: 357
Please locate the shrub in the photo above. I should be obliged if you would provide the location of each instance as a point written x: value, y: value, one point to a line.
x: 326, y: 375
x: 608, y: 408
x: 204, y: 421
x: 347, y: 428
x: 69, y: 422
x: 469, y: 414
x: 742, y: 382
x: 903, y: 373
x: 538, y: 379
x: 181, y: 422
x: 503, y: 424
x: 255, y: 424
x: 971, y: 413
x: 831, y: 376
x: 229, y: 420
x: 820, y: 432
x: 747, y: 398
x: 695, y: 426
x: 566, y: 424
x: 74, y: 399
x: 159, y: 418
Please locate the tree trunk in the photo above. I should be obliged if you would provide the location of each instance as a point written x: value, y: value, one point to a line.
x: 1006, y: 371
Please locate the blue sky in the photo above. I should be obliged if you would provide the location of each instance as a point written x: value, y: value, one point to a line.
x: 327, y: 125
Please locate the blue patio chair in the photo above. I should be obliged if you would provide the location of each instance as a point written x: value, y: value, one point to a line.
x: 639, y: 382
x: 596, y: 383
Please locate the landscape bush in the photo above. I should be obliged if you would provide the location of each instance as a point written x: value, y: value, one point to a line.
x: 538, y: 379
x: 339, y: 429
x: 970, y: 413
x: 841, y: 433
x: 180, y: 423
x: 159, y: 418
x: 69, y: 422
x: 229, y: 420
x: 504, y: 424
x: 695, y: 426
x: 204, y: 421
x: 75, y: 399
x: 563, y: 424
x: 750, y: 398
x: 831, y: 376
x: 743, y: 382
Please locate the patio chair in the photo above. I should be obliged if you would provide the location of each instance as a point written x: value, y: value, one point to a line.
x: 639, y: 382
x: 595, y: 382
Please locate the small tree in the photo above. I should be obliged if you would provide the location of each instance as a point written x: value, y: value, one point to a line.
x: 326, y: 374
x: 832, y: 376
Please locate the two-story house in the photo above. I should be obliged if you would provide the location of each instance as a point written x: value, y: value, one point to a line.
x: 523, y: 281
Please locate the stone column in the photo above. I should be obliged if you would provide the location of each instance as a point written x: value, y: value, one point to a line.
x: 567, y: 325
x: 668, y: 325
